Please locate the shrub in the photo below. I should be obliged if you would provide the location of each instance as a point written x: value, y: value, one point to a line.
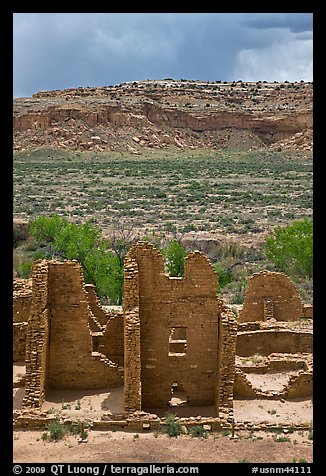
x: 224, y: 276
x: 172, y: 426
x: 238, y: 297
x: 282, y: 439
x: 100, y: 266
x: 24, y: 270
x: 57, y: 430
x: 198, y: 431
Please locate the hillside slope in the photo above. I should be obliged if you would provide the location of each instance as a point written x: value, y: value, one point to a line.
x: 159, y: 114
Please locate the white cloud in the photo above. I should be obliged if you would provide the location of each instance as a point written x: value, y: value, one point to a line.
x: 288, y: 60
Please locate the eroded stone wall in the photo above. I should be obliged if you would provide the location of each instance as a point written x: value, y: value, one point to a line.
x: 72, y: 362
x: 37, y: 338
x: 111, y: 340
x: 22, y: 299
x: 59, y: 351
x: 94, y: 303
x: 271, y: 295
x: 266, y: 342
x: 179, y: 329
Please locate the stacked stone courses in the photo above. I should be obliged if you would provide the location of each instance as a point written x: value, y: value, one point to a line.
x: 271, y: 295
x: 190, y: 306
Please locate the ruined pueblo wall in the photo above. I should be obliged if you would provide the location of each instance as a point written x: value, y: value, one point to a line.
x: 179, y: 322
x: 96, y: 308
x: 132, y: 360
x: 111, y: 342
x: 271, y: 295
x: 72, y: 363
x: 59, y: 350
x: 265, y: 342
x: 22, y: 300
x: 19, y: 340
x: 37, y: 338
x: 226, y: 358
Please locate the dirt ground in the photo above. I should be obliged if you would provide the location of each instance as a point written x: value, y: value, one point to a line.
x: 126, y: 447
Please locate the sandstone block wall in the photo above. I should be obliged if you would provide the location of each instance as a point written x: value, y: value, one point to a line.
x: 19, y: 340
x: 265, y: 342
x: 179, y: 328
x: 22, y: 299
x: 271, y: 295
x: 111, y: 341
x: 37, y: 338
x: 132, y: 359
x: 307, y: 311
x: 226, y: 357
x: 96, y: 308
x: 59, y: 350
x: 72, y: 363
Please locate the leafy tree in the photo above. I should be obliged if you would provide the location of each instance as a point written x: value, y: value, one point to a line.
x: 77, y: 241
x: 105, y: 271
x: 101, y: 267
x: 45, y: 229
x: 290, y: 248
x: 175, y: 254
x: 224, y: 276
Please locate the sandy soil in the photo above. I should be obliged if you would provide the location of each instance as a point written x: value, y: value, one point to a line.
x: 125, y: 447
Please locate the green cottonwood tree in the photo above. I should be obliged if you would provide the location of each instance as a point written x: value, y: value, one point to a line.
x: 290, y: 248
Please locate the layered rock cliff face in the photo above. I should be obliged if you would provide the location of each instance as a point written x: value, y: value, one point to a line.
x: 159, y: 114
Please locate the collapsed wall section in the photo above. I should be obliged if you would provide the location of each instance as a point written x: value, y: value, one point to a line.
x: 95, y: 306
x: 271, y: 295
x: 110, y: 342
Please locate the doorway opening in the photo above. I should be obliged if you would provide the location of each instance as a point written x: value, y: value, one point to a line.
x: 179, y: 397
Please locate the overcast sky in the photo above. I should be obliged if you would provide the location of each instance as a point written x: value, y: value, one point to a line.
x: 64, y: 50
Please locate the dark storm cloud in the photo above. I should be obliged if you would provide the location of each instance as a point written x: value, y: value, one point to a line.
x: 60, y: 50
x: 295, y: 22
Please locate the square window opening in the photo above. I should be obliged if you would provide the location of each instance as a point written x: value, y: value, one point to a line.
x: 178, y: 341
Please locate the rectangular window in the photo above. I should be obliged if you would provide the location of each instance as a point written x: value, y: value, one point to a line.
x: 178, y: 341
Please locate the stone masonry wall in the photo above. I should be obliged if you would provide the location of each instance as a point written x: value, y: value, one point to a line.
x: 271, y: 295
x: 72, y: 362
x: 111, y: 342
x: 265, y: 342
x: 37, y: 338
x: 22, y: 300
x: 132, y: 359
x: 19, y: 340
x: 226, y: 374
x: 96, y: 308
x: 179, y: 328
x: 59, y: 350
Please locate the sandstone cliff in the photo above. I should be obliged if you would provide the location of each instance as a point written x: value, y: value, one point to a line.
x: 158, y: 114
